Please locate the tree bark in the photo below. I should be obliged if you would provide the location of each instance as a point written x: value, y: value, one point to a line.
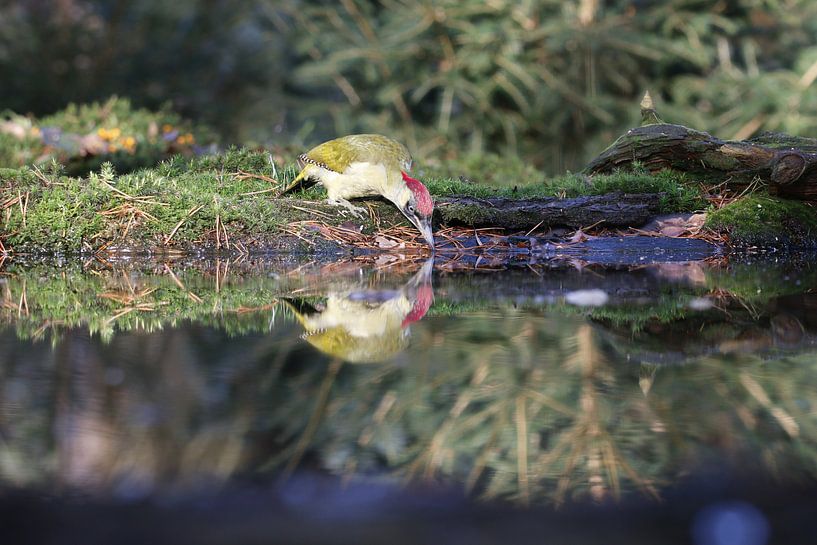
x: 613, y: 210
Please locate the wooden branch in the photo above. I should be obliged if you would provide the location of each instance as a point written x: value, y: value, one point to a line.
x: 787, y: 163
x: 612, y: 209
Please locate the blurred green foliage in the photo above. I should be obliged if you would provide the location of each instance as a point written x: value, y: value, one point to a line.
x: 218, y: 62
x: 550, y: 81
x: 555, y: 81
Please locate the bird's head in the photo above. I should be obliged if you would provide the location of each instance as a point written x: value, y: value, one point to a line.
x: 415, y: 202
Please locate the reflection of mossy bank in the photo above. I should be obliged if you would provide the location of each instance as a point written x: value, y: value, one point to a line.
x: 649, y: 318
x: 104, y: 303
x: 750, y: 309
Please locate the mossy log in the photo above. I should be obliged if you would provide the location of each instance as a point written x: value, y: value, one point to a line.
x: 787, y: 163
x: 612, y: 209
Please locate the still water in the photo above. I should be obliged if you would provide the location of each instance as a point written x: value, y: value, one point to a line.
x: 547, y: 385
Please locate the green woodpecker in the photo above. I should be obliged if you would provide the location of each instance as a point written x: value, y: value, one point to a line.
x: 365, y: 326
x: 365, y: 165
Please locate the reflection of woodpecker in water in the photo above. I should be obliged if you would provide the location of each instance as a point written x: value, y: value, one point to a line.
x: 365, y: 326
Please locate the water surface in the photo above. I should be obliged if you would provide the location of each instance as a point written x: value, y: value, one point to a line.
x: 533, y: 385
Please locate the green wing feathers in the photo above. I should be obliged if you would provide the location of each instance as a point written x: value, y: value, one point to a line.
x: 341, y: 152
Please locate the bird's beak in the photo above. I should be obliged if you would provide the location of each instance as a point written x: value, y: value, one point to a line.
x: 424, y: 225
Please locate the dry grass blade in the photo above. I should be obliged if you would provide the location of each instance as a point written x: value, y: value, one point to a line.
x: 224, y: 231
x: 244, y: 175
x: 248, y: 310
x: 40, y: 176
x: 138, y: 307
x: 783, y: 418
x: 315, y: 418
x: 127, y: 210
x: 259, y: 192
x: 181, y: 222
x: 218, y: 232
x: 23, y: 305
x: 23, y: 202
x: 142, y: 199
x: 534, y: 228
x: 11, y: 202
x: 312, y: 211
x: 178, y: 282
x: 126, y: 298
x: 522, y: 448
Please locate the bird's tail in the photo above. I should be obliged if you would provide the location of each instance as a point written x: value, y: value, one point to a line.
x: 299, y: 307
x: 296, y: 183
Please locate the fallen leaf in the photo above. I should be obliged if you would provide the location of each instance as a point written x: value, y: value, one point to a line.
x: 673, y: 231
x: 384, y: 242
x: 674, y: 225
x: 351, y: 226
x: 578, y: 236
x: 696, y: 221
x: 385, y: 259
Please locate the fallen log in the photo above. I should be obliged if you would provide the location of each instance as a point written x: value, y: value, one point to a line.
x: 612, y: 210
x: 788, y: 164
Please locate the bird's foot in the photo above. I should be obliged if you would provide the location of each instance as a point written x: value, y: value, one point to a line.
x: 356, y: 211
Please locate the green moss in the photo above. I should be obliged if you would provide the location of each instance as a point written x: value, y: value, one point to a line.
x: 761, y: 220
x: 66, y: 214
x: 678, y: 194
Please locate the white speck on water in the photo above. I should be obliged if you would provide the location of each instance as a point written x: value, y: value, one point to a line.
x: 700, y: 303
x: 587, y: 298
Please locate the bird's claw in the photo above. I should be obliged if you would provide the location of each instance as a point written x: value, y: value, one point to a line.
x: 356, y: 211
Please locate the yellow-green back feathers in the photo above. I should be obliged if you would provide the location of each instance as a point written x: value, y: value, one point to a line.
x: 336, y: 155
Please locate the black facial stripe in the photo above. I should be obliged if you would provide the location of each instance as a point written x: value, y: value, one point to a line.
x: 303, y: 157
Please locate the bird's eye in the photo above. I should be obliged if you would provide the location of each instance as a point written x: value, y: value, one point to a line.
x: 411, y: 209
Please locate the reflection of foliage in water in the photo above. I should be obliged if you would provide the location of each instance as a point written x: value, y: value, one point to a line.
x: 511, y: 403
x: 530, y: 408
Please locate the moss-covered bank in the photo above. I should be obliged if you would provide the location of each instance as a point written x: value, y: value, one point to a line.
x: 764, y: 221
x: 228, y: 201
